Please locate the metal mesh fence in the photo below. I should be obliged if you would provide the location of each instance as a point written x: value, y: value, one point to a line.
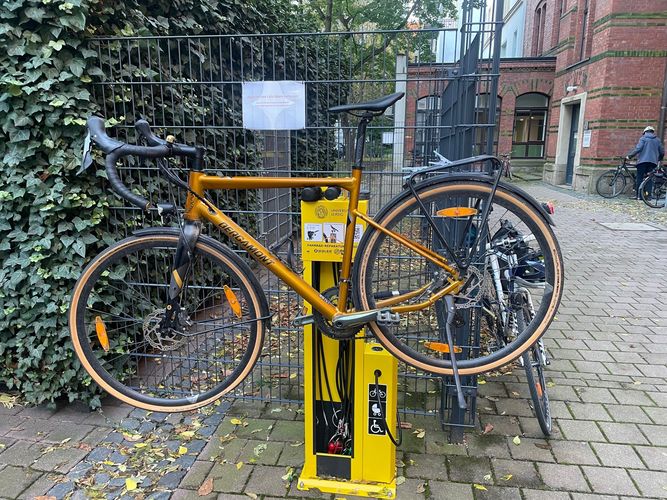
x: 191, y: 86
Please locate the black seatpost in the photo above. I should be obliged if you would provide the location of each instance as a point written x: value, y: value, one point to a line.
x: 361, y: 140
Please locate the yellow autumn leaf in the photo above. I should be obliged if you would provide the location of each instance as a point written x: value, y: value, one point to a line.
x: 239, y: 465
x: 293, y: 375
x: 140, y: 445
x: 506, y: 477
x: 479, y: 487
x: 400, y: 480
x: 516, y: 440
x: 130, y: 484
x: 236, y: 421
x: 182, y: 450
x: 187, y: 434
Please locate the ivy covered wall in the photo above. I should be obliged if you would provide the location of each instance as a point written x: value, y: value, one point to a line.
x: 52, y: 221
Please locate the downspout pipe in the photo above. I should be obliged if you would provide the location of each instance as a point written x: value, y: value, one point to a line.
x: 663, y: 109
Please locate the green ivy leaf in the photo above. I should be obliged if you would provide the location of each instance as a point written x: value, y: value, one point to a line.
x: 35, y: 13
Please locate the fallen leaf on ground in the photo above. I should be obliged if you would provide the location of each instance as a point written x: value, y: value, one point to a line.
x: 543, y: 446
x: 406, y: 425
x: 420, y: 433
x: 487, y: 428
x: 551, y: 384
x: 239, y: 465
x: 516, y: 440
x: 206, y: 487
x: 251, y: 495
x: 506, y: 477
x: 487, y: 477
x: 130, y: 484
x: 45, y: 497
x: 259, y: 449
x: 236, y: 421
x: 479, y: 487
x: 276, y: 410
x: 421, y: 488
x: 289, y: 477
x: 400, y: 480
x: 182, y: 450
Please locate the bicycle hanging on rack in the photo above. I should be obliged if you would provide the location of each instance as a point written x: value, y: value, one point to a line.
x: 187, y: 317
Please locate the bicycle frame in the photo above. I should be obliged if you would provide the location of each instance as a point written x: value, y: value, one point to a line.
x: 197, y: 209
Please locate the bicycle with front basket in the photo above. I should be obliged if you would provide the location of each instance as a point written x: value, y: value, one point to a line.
x: 188, y: 316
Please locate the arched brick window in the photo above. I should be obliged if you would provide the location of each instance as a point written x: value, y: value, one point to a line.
x: 530, y: 125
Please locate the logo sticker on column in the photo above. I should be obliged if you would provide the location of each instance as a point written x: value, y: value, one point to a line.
x: 377, y: 411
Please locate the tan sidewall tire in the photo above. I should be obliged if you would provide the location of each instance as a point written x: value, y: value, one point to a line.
x: 541, y: 328
x: 100, y: 260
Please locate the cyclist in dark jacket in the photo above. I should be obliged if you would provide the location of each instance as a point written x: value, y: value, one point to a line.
x: 650, y: 151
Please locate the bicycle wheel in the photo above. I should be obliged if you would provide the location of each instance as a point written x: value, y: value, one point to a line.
x: 117, y: 314
x: 385, y: 267
x: 532, y: 364
x: 653, y: 190
x: 611, y: 184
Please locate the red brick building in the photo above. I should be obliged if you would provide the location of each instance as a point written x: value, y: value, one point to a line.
x: 608, y: 82
x: 591, y: 79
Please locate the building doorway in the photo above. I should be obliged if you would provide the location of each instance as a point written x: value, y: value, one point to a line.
x: 572, y: 144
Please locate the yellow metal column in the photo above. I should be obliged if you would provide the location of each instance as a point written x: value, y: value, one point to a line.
x: 369, y: 468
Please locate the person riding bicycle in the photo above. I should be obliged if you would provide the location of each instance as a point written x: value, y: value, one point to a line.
x: 650, y: 151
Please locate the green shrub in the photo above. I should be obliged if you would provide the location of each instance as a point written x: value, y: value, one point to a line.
x: 51, y: 221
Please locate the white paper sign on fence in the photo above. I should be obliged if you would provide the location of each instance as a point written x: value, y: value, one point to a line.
x: 274, y: 105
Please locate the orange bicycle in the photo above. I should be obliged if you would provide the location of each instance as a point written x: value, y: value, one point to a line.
x: 187, y: 317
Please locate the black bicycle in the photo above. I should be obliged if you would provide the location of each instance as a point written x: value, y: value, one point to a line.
x: 653, y: 188
x: 615, y: 181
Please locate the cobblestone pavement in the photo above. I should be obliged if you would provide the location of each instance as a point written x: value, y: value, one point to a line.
x: 608, y: 386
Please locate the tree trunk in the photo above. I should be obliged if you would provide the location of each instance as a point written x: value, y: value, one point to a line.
x: 329, y: 17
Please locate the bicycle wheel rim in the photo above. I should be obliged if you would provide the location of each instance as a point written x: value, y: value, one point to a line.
x: 538, y: 389
x: 367, y: 259
x: 190, y: 354
x: 611, y: 184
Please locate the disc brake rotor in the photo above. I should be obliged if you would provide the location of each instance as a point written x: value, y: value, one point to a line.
x: 159, y: 337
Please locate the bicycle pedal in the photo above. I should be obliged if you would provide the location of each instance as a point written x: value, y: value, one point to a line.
x: 388, y: 318
x: 303, y: 320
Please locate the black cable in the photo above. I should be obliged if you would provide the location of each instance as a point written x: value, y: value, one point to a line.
x: 386, y: 425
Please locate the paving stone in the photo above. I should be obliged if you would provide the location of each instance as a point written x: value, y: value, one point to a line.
x: 589, y: 411
x: 69, y: 430
x: 289, y: 431
x: 574, y: 430
x: 617, y: 455
x: 529, y: 494
x: 650, y: 483
x: 596, y: 395
x: 489, y: 445
x: 609, y: 480
x: 266, y: 480
x: 528, y: 450
x: 573, y: 452
x: 61, y: 490
x: 59, y: 459
x: 171, y: 479
x: 655, y: 458
x: 426, y: 467
x: 563, y: 477
x: 443, y: 490
x: 228, y: 479
x: 656, y: 434
x: 468, y: 469
x: 592, y: 496
x: 628, y: 414
x: 291, y: 455
x: 196, y: 475
x: 43, y: 484
x: 503, y: 425
x: 21, y: 453
x: 622, y: 433
x: 524, y: 474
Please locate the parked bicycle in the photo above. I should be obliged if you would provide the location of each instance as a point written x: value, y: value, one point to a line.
x: 515, y: 268
x: 653, y: 188
x: 506, y: 165
x: 188, y: 316
x: 614, y: 182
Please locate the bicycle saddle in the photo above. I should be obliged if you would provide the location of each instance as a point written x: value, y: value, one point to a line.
x: 378, y: 105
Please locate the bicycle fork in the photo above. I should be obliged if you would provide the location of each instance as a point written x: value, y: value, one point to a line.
x: 180, y: 268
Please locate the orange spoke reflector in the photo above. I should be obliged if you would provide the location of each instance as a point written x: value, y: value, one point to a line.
x: 233, y: 301
x: 440, y: 347
x: 538, y: 386
x: 101, y: 331
x: 457, y: 212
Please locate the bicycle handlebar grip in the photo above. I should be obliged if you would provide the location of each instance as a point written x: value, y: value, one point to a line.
x: 119, y: 187
x: 144, y: 129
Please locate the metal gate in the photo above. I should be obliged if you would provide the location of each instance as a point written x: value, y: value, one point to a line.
x: 190, y: 86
